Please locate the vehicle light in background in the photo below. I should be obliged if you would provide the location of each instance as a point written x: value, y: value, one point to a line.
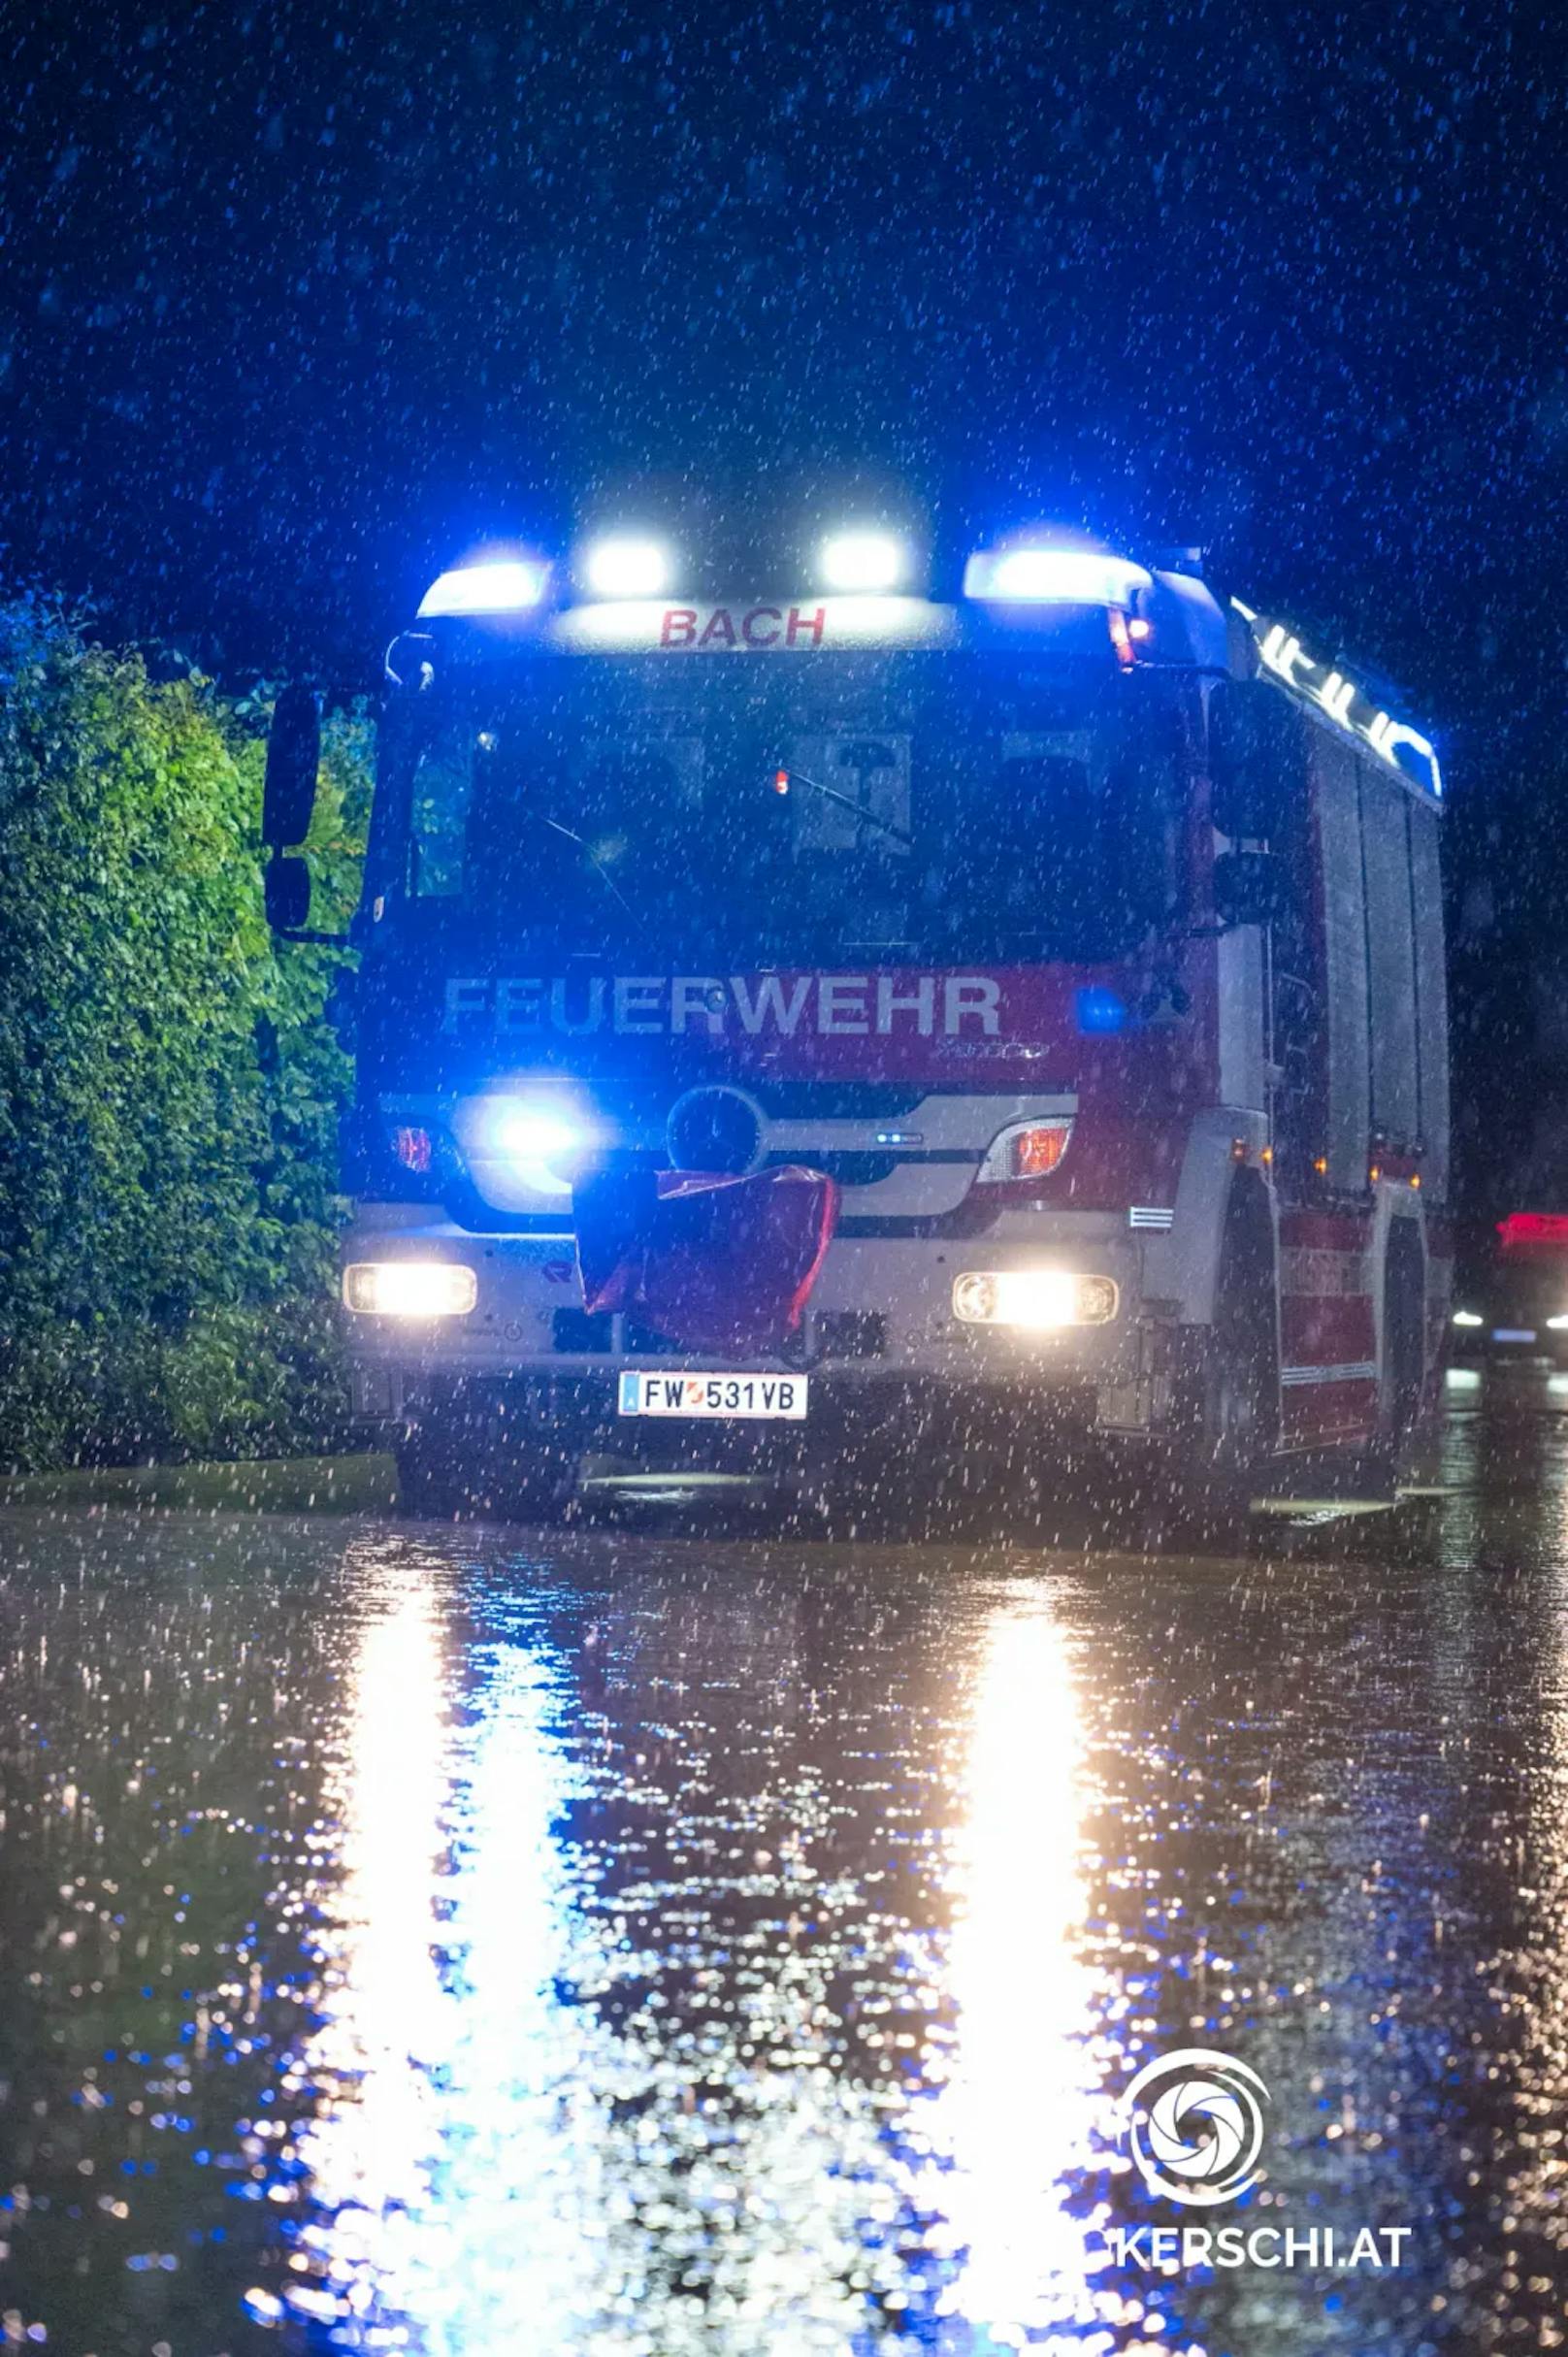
x: 1558, y: 1325
x: 1043, y: 1299
x: 1025, y: 1150
x: 866, y: 561
x: 412, y: 1148
x: 1467, y: 1317
x: 508, y: 587
x: 1053, y: 577
x: 1525, y: 1231
x: 409, y: 1289
x: 621, y: 567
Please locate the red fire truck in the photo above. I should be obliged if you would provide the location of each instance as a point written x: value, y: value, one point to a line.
x: 798, y: 1027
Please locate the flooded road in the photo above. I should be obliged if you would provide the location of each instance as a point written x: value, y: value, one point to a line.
x: 468, y: 1942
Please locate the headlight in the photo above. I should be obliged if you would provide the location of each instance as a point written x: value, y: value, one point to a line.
x: 1467, y: 1317
x: 1557, y: 1324
x: 1043, y: 1298
x: 410, y: 1289
x: 1025, y: 1150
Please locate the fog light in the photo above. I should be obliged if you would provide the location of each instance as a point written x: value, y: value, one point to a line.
x: 410, y: 1289
x: 1043, y: 1298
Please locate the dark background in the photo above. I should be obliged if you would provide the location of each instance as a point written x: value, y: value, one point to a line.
x: 301, y: 302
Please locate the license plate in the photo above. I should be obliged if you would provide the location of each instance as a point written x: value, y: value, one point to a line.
x: 721, y: 1395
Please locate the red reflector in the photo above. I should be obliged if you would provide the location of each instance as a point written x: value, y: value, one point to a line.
x: 1036, y: 1151
x: 412, y: 1148
x: 1523, y: 1228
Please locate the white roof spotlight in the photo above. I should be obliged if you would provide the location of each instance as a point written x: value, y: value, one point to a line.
x: 863, y: 559
x: 623, y: 565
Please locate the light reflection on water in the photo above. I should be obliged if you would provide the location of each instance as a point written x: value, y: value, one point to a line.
x: 502, y: 2137
x: 453, y: 2165
x: 640, y: 1951
x: 1017, y: 2124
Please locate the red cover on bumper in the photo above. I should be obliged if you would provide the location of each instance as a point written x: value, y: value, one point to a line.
x: 716, y: 1263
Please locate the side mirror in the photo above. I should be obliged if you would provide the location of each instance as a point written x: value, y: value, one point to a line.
x: 1256, y: 750
x: 286, y: 886
x: 293, y: 758
x: 1249, y: 888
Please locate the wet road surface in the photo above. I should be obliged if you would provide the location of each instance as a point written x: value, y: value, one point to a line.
x: 468, y: 1942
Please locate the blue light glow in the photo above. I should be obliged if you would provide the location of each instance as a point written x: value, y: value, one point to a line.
x: 1053, y: 577
x: 537, y: 1140
x: 1098, y: 1010
x: 509, y: 586
x: 1281, y: 653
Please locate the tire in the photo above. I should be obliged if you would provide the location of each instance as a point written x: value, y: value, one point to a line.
x: 1226, y: 1409
x: 1404, y: 1341
x: 450, y: 1470
x: 1231, y: 1421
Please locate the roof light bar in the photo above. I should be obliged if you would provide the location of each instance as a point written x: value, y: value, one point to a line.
x: 1053, y: 577
x: 622, y: 567
x: 503, y: 588
x: 1281, y: 652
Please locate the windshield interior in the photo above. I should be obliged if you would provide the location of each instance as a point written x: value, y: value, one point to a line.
x: 923, y: 805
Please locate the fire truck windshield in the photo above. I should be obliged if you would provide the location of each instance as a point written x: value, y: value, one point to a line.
x: 975, y: 807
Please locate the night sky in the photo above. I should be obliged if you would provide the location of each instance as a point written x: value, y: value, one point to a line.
x: 301, y: 302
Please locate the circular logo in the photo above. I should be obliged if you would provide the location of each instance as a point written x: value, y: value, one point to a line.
x: 714, y: 1129
x: 1194, y: 2124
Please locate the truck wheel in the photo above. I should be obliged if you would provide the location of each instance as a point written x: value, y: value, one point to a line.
x: 1404, y: 1345
x: 1234, y: 1421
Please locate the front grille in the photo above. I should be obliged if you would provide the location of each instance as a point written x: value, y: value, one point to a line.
x: 837, y: 1100
x: 850, y: 1166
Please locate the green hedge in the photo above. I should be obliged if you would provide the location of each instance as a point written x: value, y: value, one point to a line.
x: 168, y: 1084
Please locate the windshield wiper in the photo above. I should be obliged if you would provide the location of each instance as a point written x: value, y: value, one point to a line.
x: 783, y: 779
x: 596, y: 862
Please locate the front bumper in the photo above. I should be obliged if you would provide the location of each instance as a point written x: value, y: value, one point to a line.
x: 880, y: 1318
